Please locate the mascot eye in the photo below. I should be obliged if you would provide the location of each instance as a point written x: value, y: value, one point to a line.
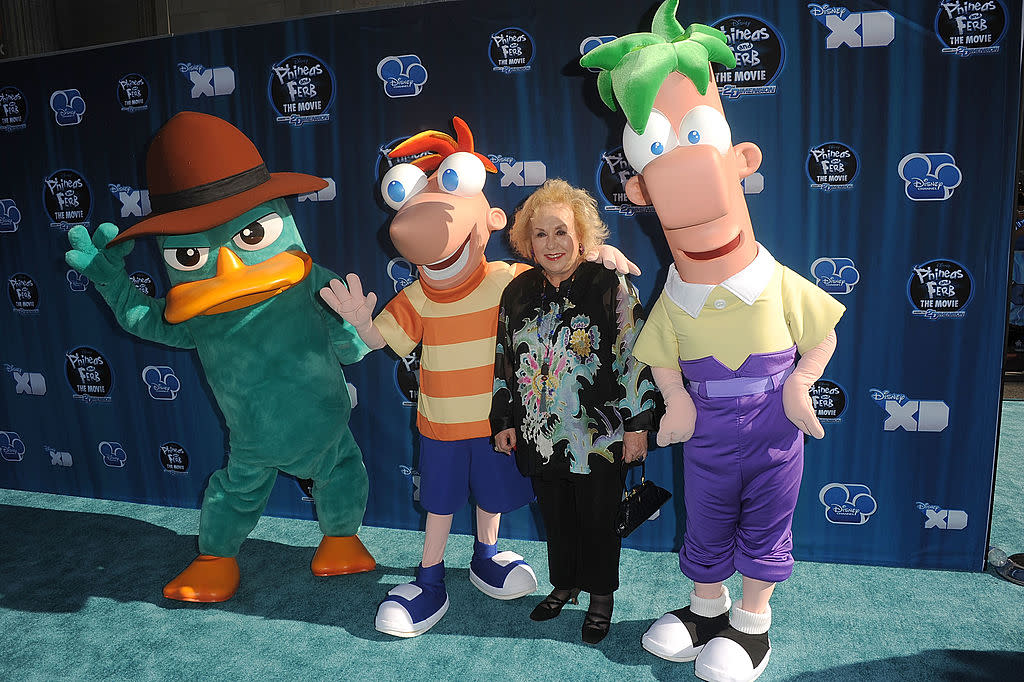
x: 401, y: 183
x: 462, y: 174
x: 259, y: 233
x: 187, y: 258
x: 704, y: 125
x: 658, y: 139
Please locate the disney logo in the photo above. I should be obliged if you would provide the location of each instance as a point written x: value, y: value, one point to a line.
x: 825, y: 10
x: 878, y: 394
x: 188, y: 67
x: 498, y: 158
x: 8, y: 367
x: 923, y: 506
x: 117, y: 189
x: 925, y: 183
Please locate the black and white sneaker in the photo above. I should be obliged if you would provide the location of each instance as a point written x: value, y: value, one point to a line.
x: 680, y: 635
x: 734, y: 656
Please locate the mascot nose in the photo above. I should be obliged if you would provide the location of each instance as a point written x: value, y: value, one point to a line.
x: 228, y: 262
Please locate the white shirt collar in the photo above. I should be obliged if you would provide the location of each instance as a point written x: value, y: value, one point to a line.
x: 746, y: 285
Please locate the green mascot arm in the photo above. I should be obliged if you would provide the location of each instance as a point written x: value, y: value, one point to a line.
x: 348, y: 346
x: 137, y: 313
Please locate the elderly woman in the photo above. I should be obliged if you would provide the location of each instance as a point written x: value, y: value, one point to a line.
x: 569, y: 399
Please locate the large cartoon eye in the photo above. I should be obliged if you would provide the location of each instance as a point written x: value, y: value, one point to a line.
x: 658, y: 139
x: 187, y: 258
x: 401, y: 183
x: 704, y: 125
x: 462, y: 174
x: 259, y: 233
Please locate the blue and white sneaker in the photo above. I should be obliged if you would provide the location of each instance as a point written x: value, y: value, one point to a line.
x: 502, y: 575
x: 413, y: 608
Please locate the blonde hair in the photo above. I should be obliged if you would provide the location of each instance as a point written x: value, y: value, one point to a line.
x: 590, y: 229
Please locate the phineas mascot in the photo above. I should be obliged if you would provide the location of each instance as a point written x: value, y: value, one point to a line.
x: 442, y: 226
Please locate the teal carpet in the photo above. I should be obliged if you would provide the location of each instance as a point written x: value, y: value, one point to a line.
x: 80, y: 599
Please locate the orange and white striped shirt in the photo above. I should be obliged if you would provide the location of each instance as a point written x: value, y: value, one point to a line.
x: 457, y: 328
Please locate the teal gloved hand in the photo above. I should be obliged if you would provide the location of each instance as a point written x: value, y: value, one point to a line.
x: 92, y: 258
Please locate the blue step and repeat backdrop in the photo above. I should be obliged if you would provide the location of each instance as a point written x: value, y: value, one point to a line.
x: 889, y: 135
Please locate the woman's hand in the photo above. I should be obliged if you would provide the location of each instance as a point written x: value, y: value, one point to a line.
x: 634, y: 446
x: 505, y: 441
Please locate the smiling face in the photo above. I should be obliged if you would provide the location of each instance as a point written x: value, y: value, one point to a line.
x: 235, y: 265
x: 555, y: 242
x: 691, y: 172
x: 444, y: 220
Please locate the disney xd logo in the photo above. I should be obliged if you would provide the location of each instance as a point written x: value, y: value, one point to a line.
x: 519, y: 173
x: 942, y: 519
x: 854, y: 29
x: 134, y: 202
x: 28, y: 383
x: 208, y: 82
x: 931, y: 416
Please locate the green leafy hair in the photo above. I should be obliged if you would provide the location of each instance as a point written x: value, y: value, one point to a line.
x: 634, y: 66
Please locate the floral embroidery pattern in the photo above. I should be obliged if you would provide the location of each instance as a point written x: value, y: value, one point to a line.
x: 565, y: 376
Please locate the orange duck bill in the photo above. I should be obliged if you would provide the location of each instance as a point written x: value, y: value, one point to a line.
x: 236, y: 285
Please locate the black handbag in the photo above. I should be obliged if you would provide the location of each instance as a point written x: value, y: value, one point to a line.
x: 639, y: 504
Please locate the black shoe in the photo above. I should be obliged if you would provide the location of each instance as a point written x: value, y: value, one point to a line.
x: 553, y: 603
x: 599, y: 618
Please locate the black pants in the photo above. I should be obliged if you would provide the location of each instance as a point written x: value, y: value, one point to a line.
x: 579, y: 513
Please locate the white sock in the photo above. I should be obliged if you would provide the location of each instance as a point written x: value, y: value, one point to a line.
x: 750, y: 623
x: 709, y: 608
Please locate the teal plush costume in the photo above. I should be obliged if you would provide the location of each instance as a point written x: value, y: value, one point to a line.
x: 274, y: 370
x: 244, y: 294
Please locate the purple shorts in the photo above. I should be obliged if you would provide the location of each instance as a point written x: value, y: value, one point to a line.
x: 742, y: 471
x: 451, y: 470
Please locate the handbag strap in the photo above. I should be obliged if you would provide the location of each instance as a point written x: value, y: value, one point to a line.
x: 625, y: 472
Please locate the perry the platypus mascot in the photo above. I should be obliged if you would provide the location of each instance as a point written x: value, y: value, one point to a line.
x: 244, y: 295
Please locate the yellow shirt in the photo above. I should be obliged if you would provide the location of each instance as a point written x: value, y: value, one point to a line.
x: 764, y: 308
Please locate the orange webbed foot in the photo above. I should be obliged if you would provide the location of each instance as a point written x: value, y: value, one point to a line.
x: 207, y: 579
x: 341, y: 556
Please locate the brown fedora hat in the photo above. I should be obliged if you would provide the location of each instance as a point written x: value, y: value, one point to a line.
x: 202, y: 172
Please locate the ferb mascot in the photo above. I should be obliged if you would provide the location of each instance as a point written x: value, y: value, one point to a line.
x: 442, y: 226
x: 243, y: 295
x: 750, y: 335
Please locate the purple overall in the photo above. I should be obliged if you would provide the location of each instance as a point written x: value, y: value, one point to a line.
x: 741, y: 470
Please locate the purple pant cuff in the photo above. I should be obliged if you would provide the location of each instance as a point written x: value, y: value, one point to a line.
x: 768, y: 570
x: 758, y: 569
